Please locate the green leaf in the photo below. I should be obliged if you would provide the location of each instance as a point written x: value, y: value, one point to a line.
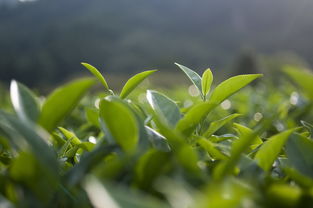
x: 158, y: 141
x: 216, y: 125
x: 207, y: 79
x: 150, y: 166
x: 298, y: 177
x: 184, y: 153
x: 25, y: 135
x: 97, y: 74
x: 193, y: 76
x: 87, y: 163
x: 302, y: 78
x: 231, y: 86
x: 198, y: 112
x: 270, y: 149
x: 24, y: 102
x: 238, y: 147
x: 133, y: 82
x: 92, y: 116
x: 211, y: 149
x: 164, y: 107
x: 193, y: 117
x: 243, y: 131
x: 299, y: 150
x: 70, y: 136
x: 62, y: 101
x: 120, y: 123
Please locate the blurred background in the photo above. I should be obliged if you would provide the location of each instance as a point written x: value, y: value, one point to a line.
x: 42, y: 42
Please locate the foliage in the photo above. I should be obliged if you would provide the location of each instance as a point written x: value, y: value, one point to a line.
x: 227, y: 148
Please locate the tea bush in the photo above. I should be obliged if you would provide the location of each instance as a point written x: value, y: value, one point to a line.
x: 222, y: 148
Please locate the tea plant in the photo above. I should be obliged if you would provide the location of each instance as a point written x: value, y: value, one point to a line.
x: 108, y: 150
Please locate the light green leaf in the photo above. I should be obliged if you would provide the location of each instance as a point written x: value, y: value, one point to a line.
x: 97, y: 74
x: 299, y: 150
x: 92, y: 116
x: 70, y: 136
x: 302, y: 78
x: 24, y: 102
x: 193, y: 76
x: 120, y: 123
x: 216, y: 125
x: 211, y: 149
x: 198, y: 112
x: 62, y: 101
x: 164, y: 107
x: 207, y: 79
x: 270, y: 149
x: 133, y: 82
x: 243, y: 131
x: 193, y: 117
x: 231, y: 86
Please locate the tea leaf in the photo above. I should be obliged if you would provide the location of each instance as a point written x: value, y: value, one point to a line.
x: 193, y: 76
x: 299, y: 150
x: 216, y: 125
x: 24, y: 102
x: 270, y: 149
x: 62, y: 101
x: 97, y: 74
x: 133, y: 82
x: 164, y: 107
x: 207, y: 79
x: 230, y: 86
x: 302, y: 78
x: 120, y: 123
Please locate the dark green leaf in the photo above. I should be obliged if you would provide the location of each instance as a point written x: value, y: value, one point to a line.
x: 299, y: 150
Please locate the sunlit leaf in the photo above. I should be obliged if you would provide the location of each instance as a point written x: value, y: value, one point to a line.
x: 62, y: 101
x: 70, y: 136
x: 193, y: 117
x: 216, y: 125
x: 120, y: 124
x: 97, y: 74
x: 230, y: 86
x: 243, y: 131
x: 270, y: 149
x: 211, y: 149
x: 164, y: 107
x: 193, y: 76
x: 207, y: 79
x: 134, y: 81
x: 24, y: 102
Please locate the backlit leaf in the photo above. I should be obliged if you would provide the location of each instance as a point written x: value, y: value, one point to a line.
x: 133, y: 82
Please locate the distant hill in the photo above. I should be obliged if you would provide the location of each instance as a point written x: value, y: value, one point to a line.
x: 44, y: 41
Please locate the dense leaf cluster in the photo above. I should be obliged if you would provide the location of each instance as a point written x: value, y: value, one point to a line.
x: 115, y: 151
